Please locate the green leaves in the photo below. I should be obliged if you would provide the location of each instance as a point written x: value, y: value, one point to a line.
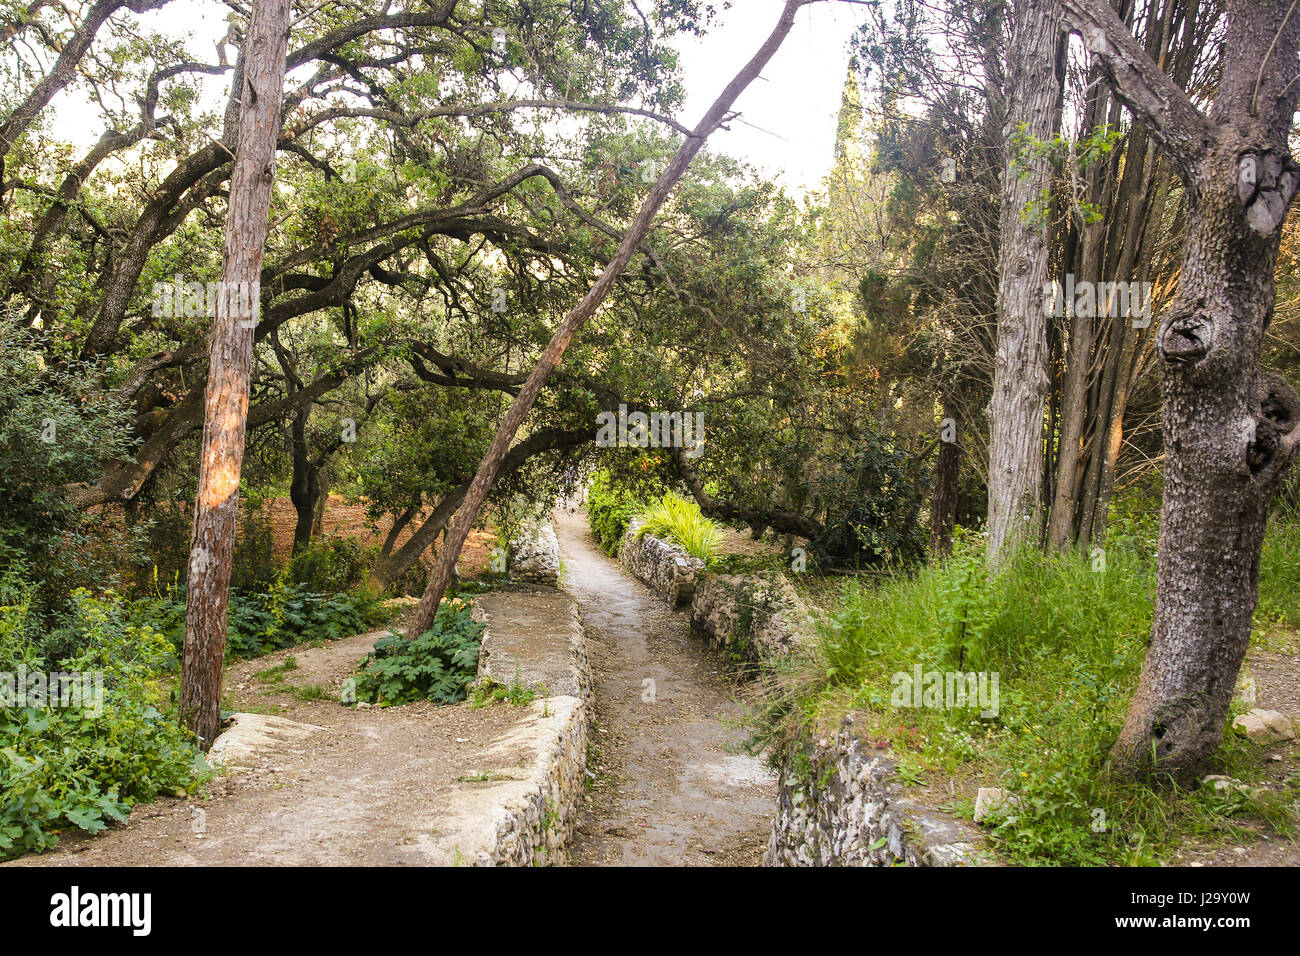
x: 439, y: 665
x: 71, y: 766
x: 679, y: 520
x: 261, y: 622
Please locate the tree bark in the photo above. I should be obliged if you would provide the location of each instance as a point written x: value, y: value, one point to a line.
x: 440, y: 576
x: 1020, y: 365
x: 304, y: 483
x: 229, y: 369
x: 1230, y: 431
x: 947, y: 487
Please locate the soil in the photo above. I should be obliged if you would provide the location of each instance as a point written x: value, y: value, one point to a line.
x: 671, y: 786
x: 347, y: 519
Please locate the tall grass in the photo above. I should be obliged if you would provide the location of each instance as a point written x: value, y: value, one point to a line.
x: 678, y: 519
x: 1066, y: 634
x: 1279, y: 580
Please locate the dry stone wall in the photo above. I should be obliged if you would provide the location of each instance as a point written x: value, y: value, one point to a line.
x: 844, y: 806
x: 849, y: 810
x: 758, y: 617
x: 533, y: 637
x: 665, y: 568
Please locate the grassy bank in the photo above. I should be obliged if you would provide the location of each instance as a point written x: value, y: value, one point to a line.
x: 1058, y: 641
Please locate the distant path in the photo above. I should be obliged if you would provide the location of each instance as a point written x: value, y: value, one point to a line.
x: 671, y: 788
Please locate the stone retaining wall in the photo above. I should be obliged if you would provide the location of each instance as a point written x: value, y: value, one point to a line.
x: 855, y: 813
x: 534, y: 554
x: 665, y: 568
x: 533, y: 638
x: 759, y: 617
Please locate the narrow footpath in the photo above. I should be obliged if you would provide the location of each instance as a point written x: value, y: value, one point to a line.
x: 671, y: 786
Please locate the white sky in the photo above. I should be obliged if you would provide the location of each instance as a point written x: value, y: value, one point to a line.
x: 796, y: 101
x: 788, y: 122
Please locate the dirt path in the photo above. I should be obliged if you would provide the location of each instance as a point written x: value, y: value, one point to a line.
x: 671, y: 788
x: 364, y: 787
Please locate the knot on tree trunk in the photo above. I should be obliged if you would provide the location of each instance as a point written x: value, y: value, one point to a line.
x: 1276, y: 427
x: 1186, y: 339
x: 1266, y: 184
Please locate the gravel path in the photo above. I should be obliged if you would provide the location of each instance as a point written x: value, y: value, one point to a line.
x: 671, y: 788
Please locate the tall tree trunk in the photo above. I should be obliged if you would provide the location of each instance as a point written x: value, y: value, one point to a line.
x: 445, y: 566
x: 304, y: 483
x: 1083, y: 260
x: 1230, y: 431
x: 1020, y: 365
x: 947, y: 486
x: 229, y: 368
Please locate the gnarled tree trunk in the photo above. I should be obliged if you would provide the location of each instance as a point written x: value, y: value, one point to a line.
x: 1230, y: 430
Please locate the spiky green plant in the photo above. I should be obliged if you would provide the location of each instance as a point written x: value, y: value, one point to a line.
x: 680, y: 520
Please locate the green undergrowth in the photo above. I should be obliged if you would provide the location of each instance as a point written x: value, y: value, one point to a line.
x: 677, y: 519
x: 487, y: 692
x: 439, y: 665
x: 1065, y: 636
x: 82, y: 761
x: 259, y: 622
x: 610, y: 508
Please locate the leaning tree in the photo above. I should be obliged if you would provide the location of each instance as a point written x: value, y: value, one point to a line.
x: 1230, y: 429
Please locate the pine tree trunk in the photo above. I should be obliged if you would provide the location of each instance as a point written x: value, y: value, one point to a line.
x: 229, y: 368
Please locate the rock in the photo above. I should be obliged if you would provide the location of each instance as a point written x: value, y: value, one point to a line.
x: 1264, y: 726
x: 988, y: 799
x: 1221, y: 782
x: 535, y: 554
x: 252, y: 737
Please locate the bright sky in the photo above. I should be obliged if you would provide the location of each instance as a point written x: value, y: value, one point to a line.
x: 789, y: 114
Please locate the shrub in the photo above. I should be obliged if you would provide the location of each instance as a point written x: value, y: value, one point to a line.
x: 328, y: 564
x: 56, y: 429
x: 609, y: 511
x: 264, y: 621
x: 439, y: 665
x: 872, y: 502
x: 85, y: 766
x: 678, y: 519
